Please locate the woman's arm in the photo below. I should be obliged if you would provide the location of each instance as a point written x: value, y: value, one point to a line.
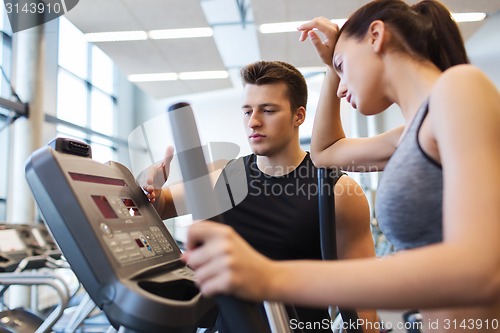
x: 330, y: 147
x: 443, y: 275
x: 439, y: 276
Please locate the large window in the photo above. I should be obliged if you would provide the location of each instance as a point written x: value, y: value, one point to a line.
x: 6, y: 116
x: 85, y: 95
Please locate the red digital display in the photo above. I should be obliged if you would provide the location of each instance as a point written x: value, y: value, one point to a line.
x: 134, y: 211
x: 128, y: 202
x: 131, y: 207
x: 82, y: 177
x: 104, y: 206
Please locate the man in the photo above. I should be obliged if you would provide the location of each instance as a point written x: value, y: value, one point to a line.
x: 279, y: 215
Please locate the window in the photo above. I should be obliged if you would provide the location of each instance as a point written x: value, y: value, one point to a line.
x: 85, y: 101
x: 5, y: 115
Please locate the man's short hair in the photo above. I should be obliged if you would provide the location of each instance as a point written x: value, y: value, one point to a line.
x: 269, y: 72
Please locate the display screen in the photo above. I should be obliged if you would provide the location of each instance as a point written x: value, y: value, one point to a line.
x: 104, y: 206
x: 131, y: 207
x: 115, y: 207
x: 128, y: 202
x: 134, y: 211
x: 97, y: 179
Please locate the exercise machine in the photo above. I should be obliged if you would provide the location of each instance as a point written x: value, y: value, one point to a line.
x: 119, y: 248
x: 24, y: 249
x: 116, y: 243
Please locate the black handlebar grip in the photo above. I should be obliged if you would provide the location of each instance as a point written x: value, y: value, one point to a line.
x: 328, y: 236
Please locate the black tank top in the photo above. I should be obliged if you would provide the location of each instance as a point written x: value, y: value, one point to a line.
x: 278, y: 216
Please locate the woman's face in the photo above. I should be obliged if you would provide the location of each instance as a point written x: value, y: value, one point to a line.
x: 360, y: 69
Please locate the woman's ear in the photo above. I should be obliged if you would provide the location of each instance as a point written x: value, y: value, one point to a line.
x: 377, y: 35
x: 300, y: 116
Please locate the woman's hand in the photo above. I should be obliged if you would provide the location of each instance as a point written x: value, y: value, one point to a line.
x: 328, y: 29
x: 225, y: 264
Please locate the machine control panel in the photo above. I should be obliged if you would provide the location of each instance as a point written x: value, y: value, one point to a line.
x: 121, y: 216
x: 129, y: 247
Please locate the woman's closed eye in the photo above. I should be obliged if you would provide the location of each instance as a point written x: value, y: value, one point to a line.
x: 338, y: 67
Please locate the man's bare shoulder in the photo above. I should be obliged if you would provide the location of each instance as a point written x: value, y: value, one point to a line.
x: 347, y: 186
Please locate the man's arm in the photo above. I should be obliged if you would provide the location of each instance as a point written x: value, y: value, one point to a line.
x: 164, y: 203
x: 354, y: 237
x: 169, y: 200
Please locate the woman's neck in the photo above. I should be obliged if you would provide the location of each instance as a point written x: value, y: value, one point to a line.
x: 410, y: 82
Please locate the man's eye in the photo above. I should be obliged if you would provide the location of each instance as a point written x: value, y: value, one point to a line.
x: 269, y: 111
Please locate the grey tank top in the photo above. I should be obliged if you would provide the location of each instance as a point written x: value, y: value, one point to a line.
x: 410, y: 193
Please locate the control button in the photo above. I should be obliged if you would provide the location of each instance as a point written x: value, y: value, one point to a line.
x: 130, y: 248
x: 135, y: 255
x: 123, y: 236
x: 158, y: 249
x: 106, y: 230
x: 122, y: 257
x: 126, y: 242
x: 118, y: 249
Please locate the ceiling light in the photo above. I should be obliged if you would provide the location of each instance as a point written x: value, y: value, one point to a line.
x: 180, y: 33
x: 468, y: 17
x: 205, y: 75
x: 272, y: 28
x: 116, y: 36
x: 312, y: 69
x: 152, y: 77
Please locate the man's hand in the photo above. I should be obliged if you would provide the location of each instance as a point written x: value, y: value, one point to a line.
x: 154, y: 177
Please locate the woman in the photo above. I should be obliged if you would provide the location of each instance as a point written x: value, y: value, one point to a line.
x: 438, y: 197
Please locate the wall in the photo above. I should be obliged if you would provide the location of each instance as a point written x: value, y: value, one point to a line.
x: 484, y: 48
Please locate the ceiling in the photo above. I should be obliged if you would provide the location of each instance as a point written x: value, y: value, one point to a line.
x: 235, y: 42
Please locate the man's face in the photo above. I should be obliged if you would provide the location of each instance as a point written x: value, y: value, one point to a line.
x: 267, y: 117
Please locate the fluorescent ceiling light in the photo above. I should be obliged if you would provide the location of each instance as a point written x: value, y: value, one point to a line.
x: 272, y: 28
x: 468, y: 17
x: 205, y: 75
x: 180, y: 33
x: 116, y: 36
x: 312, y: 69
x: 153, y: 77
x: 119, y: 36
